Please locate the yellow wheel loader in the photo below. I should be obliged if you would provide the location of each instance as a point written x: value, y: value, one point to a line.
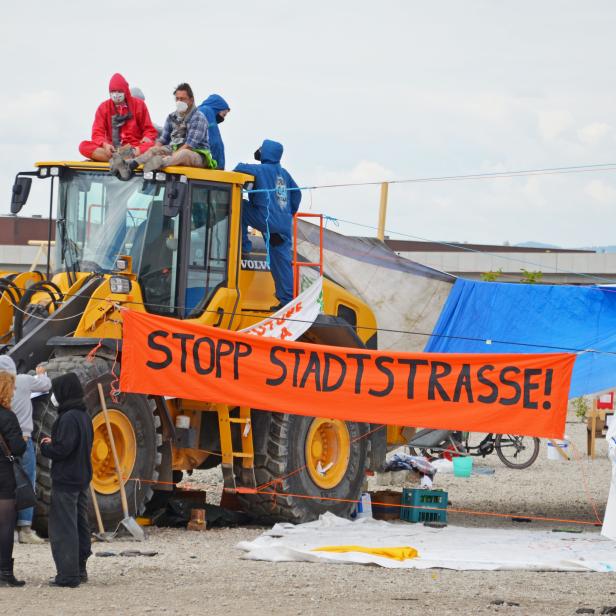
x: 169, y: 243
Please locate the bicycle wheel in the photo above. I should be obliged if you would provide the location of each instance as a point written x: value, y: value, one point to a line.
x: 517, y: 451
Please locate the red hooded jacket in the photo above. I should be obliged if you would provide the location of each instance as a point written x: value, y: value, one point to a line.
x: 134, y: 130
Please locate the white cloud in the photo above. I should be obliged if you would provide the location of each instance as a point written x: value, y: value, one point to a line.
x: 592, y: 134
x: 601, y: 192
x: 553, y: 123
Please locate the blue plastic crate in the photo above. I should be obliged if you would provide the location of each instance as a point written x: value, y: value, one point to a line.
x: 426, y: 505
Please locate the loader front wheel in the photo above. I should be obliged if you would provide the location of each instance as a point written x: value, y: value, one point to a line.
x: 309, y: 466
x: 137, y: 436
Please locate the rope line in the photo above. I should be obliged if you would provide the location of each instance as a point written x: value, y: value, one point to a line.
x: 448, y: 178
x: 389, y: 330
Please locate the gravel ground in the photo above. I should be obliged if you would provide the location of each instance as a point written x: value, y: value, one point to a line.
x: 203, y: 572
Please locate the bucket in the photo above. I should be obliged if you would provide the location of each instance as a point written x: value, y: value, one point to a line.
x: 462, y: 466
x: 553, y: 451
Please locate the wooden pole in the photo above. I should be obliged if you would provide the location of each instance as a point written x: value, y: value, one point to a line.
x: 114, y: 451
x: 382, y: 211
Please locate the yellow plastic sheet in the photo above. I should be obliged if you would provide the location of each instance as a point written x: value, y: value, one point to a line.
x: 399, y: 553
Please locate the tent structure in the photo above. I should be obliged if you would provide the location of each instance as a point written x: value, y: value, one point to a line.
x: 492, y: 317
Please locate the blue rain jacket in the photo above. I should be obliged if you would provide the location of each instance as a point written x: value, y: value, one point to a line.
x: 210, y: 107
x: 276, y: 207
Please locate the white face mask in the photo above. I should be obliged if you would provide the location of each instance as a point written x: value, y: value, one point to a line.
x: 53, y: 399
x: 181, y: 106
x: 117, y: 97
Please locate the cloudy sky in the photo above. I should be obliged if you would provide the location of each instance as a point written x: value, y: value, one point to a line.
x: 356, y: 91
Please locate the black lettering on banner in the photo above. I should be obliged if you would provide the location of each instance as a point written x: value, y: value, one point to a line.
x: 199, y: 369
x: 159, y: 365
x: 359, y: 358
x: 280, y: 364
x: 183, y: 338
x: 493, y: 395
x: 464, y: 382
x: 298, y: 353
x: 530, y: 386
x: 410, y: 383
x: 236, y: 357
x: 380, y: 362
x: 328, y: 359
x: 515, y: 398
x: 221, y: 352
x: 438, y: 370
x: 313, y: 367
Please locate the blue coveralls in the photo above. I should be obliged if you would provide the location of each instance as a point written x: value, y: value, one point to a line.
x: 272, y: 212
x: 210, y: 108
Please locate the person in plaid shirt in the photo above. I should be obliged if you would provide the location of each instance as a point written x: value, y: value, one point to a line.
x: 184, y: 141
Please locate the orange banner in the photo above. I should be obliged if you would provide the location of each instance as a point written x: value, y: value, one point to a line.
x: 514, y: 394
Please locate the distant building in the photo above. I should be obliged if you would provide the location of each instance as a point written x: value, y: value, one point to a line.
x: 16, y: 255
x: 557, y: 265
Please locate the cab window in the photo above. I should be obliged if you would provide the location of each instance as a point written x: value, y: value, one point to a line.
x: 208, y: 246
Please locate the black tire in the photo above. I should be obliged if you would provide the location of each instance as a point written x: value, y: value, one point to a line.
x: 509, y: 447
x: 285, y: 454
x: 146, y: 424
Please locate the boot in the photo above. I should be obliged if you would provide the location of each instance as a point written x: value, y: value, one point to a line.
x: 153, y: 164
x: 27, y: 535
x: 7, y: 578
x: 119, y: 167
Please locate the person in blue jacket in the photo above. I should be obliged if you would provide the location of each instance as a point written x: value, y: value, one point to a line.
x: 215, y: 109
x: 271, y: 212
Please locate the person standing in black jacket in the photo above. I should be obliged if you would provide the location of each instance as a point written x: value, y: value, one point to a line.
x: 13, y: 437
x: 69, y: 448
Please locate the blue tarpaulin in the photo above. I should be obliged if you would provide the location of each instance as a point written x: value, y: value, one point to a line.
x: 493, y: 317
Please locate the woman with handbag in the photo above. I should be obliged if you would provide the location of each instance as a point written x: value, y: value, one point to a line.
x: 13, y: 444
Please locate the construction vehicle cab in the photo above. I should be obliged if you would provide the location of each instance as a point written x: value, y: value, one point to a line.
x: 169, y: 243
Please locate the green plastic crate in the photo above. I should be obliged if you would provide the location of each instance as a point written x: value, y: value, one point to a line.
x: 434, y: 501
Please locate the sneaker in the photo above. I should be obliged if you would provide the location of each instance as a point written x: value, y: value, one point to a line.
x: 119, y: 167
x: 27, y: 535
x: 153, y: 164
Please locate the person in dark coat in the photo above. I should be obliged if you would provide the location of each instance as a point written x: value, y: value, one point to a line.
x: 215, y: 109
x: 13, y: 437
x: 69, y: 448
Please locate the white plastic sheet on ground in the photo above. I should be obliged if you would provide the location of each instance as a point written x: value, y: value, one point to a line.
x: 447, y: 548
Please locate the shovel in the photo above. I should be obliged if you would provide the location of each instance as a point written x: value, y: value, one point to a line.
x: 101, y: 535
x: 129, y: 523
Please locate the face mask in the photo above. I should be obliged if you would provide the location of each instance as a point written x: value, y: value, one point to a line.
x: 117, y: 97
x: 219, y: 118
x: 53, y: 399
x: 181, y: 106
x: 258, y: 154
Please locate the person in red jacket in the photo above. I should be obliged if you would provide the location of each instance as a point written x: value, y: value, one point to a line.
x: 122, y: 125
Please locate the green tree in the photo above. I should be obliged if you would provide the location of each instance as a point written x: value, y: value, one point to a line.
x: 491, y: 276
x: 531, y: 277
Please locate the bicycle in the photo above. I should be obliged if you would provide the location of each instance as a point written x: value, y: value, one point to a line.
x: 514, y: 451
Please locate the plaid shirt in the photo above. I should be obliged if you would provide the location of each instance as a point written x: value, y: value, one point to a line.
x: 196, y: 135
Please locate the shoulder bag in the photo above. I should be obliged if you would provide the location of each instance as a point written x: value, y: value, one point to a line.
x: 24, y: 492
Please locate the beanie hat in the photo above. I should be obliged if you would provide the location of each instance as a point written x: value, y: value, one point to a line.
x: 7, y: 365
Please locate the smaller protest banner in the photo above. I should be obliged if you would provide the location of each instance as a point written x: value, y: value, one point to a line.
x: 292, y: 320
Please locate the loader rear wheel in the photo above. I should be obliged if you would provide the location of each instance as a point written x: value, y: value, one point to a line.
x: 310, y: 466
x: 136, y: 431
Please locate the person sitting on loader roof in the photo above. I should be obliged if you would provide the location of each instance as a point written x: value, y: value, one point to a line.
x: 215, y: 108
x: 184, y: 141
x: 271, y: 212
x: 122, y: 125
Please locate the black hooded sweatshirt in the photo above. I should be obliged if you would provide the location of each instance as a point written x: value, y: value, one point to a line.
x: 71, y: 437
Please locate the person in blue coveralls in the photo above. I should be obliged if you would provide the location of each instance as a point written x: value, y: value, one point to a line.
x: 270, y: 209
x: 215, y: 109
